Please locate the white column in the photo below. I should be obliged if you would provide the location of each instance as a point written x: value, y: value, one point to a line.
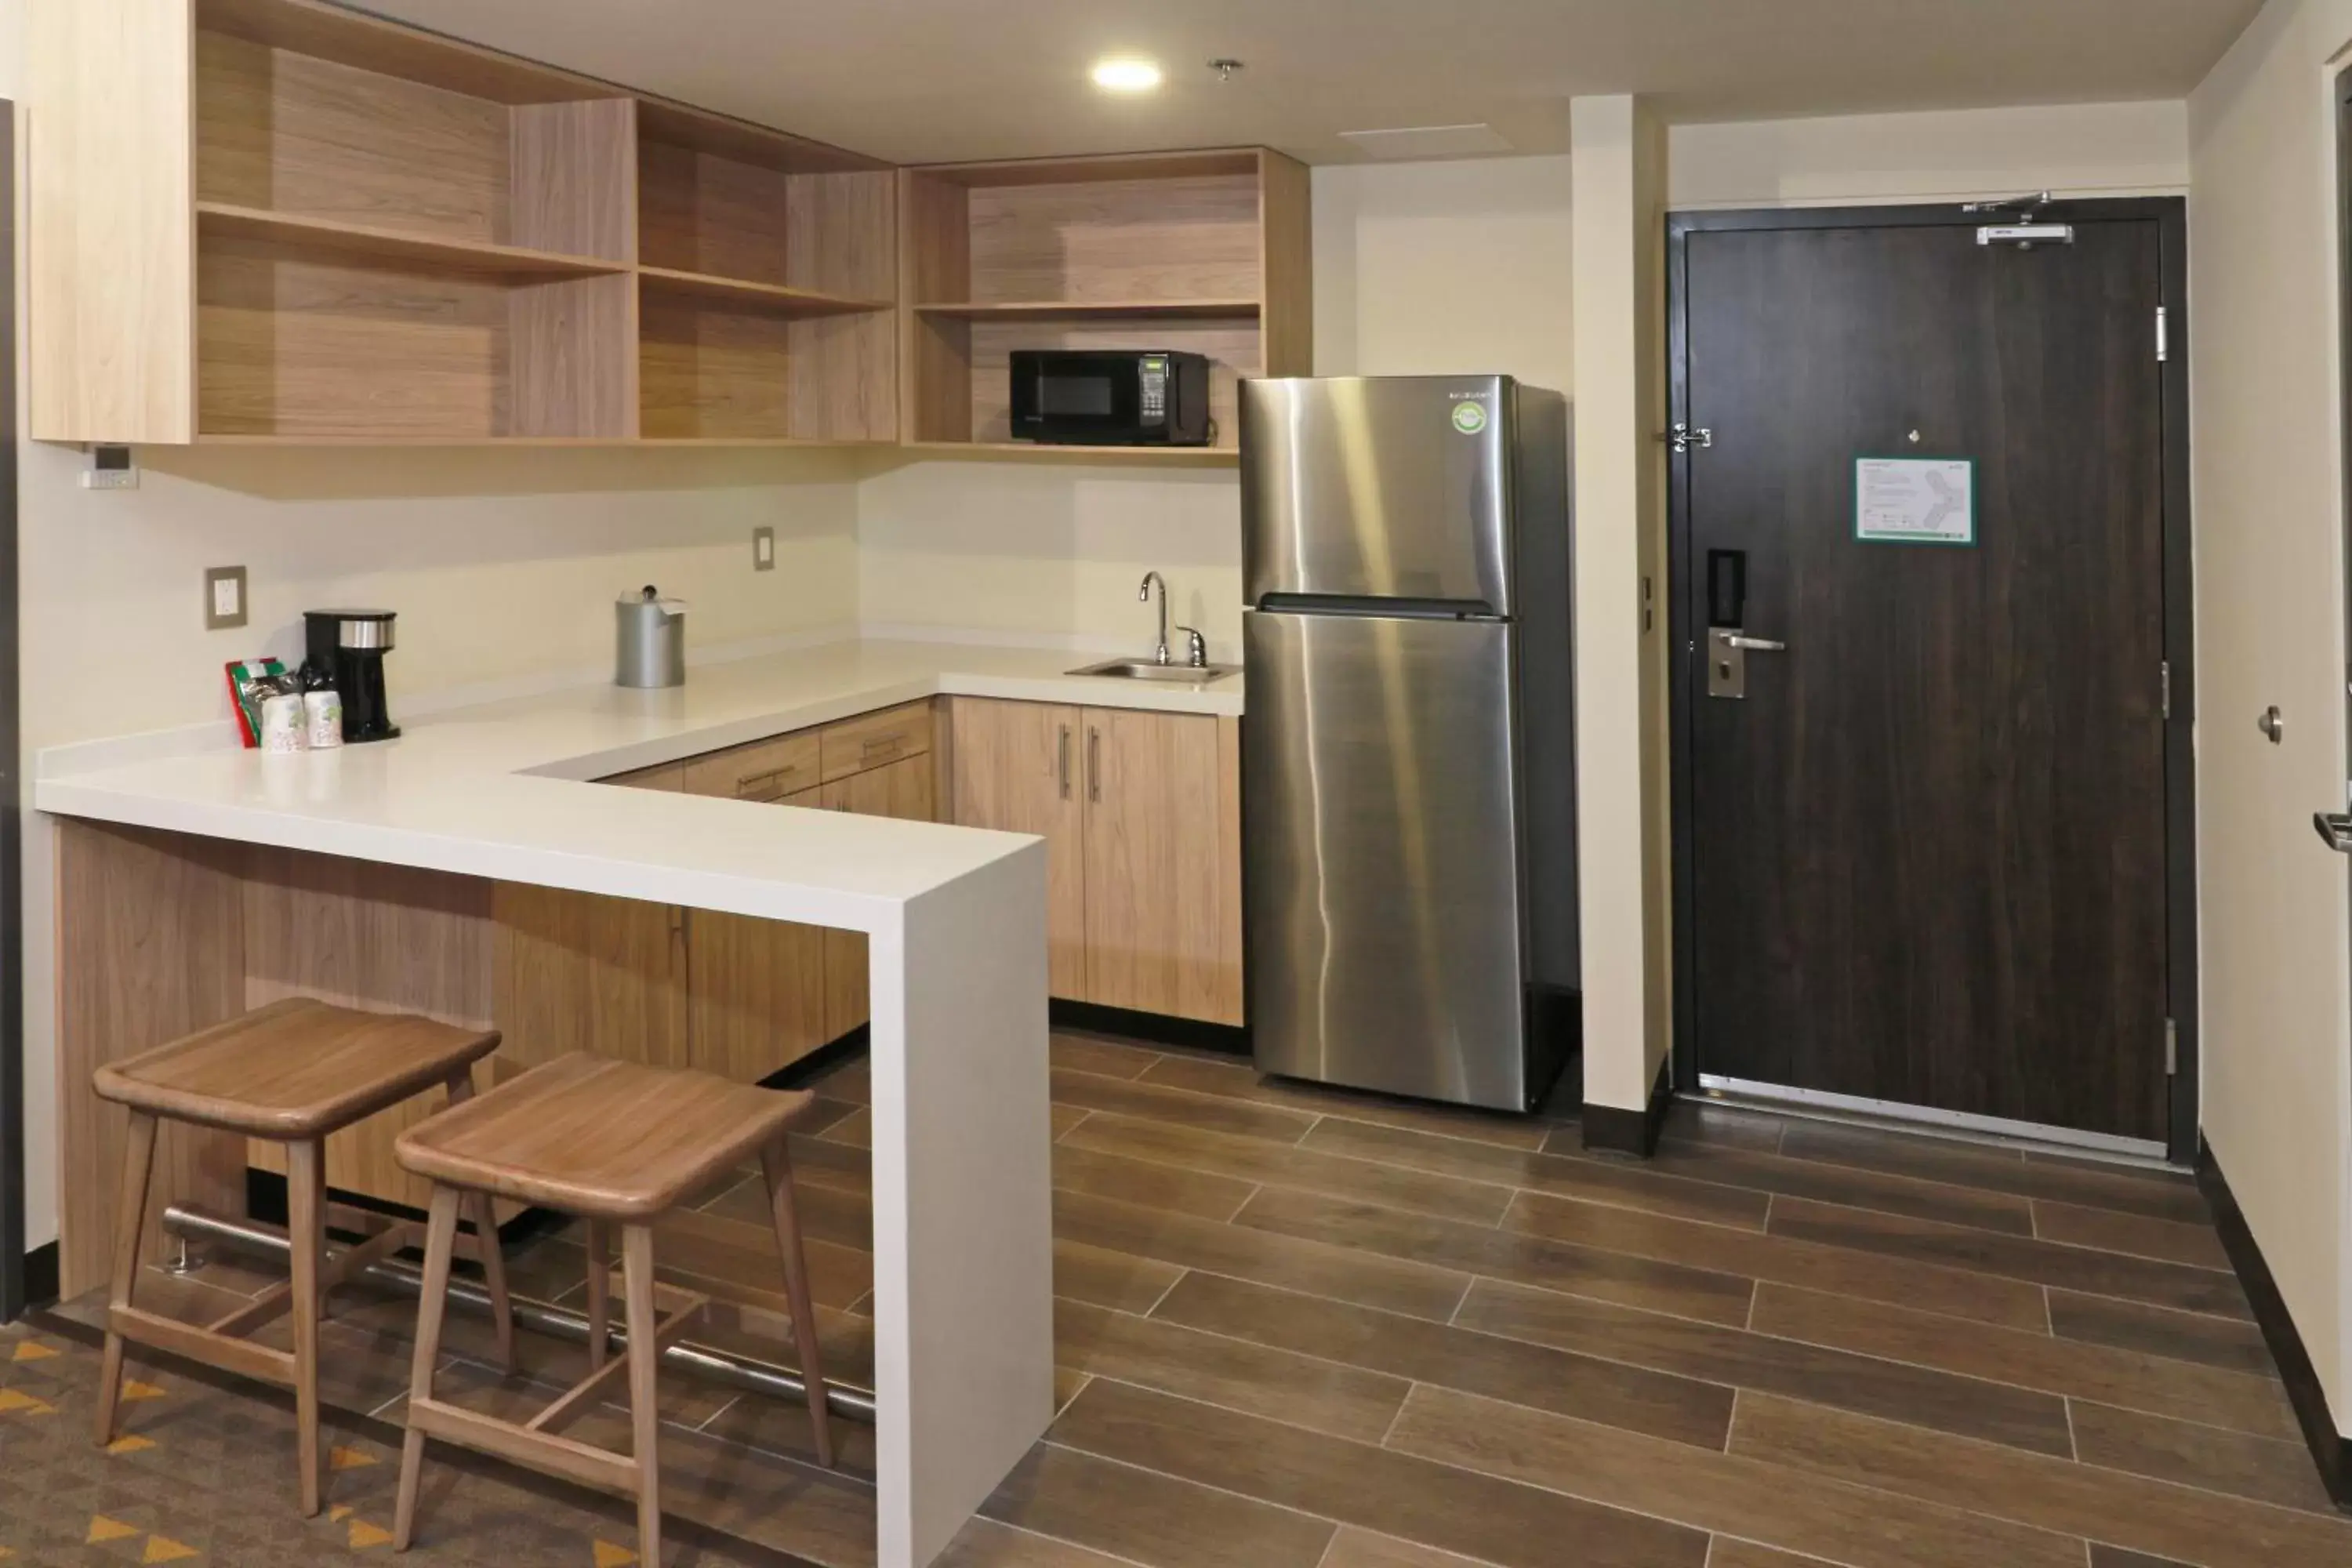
x: 1624, y: 822
x: 964, y: 1242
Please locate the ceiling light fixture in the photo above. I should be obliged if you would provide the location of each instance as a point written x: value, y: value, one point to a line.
x: 1224, y: 67
x: 1126, y: 74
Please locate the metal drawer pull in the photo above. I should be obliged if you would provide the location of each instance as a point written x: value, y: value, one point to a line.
x: 1061, y: 763
x: 881, y: 743
x: 2334, y: 830
x: 1093, y: 764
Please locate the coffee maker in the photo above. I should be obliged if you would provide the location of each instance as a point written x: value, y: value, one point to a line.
x: 350, y: 646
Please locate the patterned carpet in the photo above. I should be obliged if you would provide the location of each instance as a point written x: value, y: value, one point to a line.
x: 205, y: 1475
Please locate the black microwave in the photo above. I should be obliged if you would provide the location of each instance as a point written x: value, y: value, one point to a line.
x: 1111, y: 397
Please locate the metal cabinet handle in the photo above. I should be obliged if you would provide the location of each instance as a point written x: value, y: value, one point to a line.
x: 1752, y: 645
x: 1093, y: 764
x: 880, y: 744
x: 1061, y: 763
x: 2335, y: 829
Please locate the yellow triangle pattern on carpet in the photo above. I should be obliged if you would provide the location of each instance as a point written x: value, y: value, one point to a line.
x: 611, y: 1556
x: 364, y: 1535
x: 164, y: 1549
x: 16, y: 1399
x: 131, y: 1445
x: 104, y: 1529
x: 134, y: 1389
x: 31, y: 1350
x: 339, y: 1512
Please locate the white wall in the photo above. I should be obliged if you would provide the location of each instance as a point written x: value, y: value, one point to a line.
x: 2268, y: 442
x: 2083, y: 149
x: 1419, y: 268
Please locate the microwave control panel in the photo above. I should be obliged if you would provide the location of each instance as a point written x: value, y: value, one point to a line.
x: 1155, y: 389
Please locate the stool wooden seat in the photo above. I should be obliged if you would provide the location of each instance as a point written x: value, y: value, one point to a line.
x: 614, y: 1143
x: 292, y: 1072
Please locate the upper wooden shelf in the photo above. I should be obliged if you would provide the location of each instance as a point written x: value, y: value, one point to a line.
x: 1041, y: 310
x: 225, y: 220
x: 774, y: 299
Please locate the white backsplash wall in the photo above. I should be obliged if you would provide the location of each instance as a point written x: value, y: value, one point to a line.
x: 503, y: 565
x: 1420, y: 269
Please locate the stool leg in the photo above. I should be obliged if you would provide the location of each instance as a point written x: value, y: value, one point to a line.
x: 479, y: 1210
x: 304, y: 1161
x: 637, y: 1283
x: 776, y: 1164
x: 440, y: 1242
x: 600, y: 1290
x: 130, y: 1221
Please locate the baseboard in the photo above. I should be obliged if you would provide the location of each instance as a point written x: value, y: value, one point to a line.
x: 1158, y: 1028
x: 1617, y: 1131
x: 2329, y: 1449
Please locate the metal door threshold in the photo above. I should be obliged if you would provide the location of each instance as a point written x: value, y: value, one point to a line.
x: 1955, y: 1125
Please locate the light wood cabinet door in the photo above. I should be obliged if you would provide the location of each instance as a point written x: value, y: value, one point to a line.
x: 758, y: 993
x: 1162, y: 916
x: 579, y: 971
x: 1017, y: 768
x: 903, y: 789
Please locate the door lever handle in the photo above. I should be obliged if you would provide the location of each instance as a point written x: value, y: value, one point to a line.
x: 2335, y: 829
x: 1752, y: 644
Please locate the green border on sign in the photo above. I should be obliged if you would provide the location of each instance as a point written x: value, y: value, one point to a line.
x: 1862, y: 538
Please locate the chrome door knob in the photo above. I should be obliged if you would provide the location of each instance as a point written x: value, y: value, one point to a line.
x: 2335, y: 829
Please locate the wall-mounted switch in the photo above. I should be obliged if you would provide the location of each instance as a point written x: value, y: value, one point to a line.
x: 224, y: 597
x: 111, y: 469
x: 763, y: 550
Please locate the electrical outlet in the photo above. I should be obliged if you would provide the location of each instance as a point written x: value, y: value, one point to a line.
x: 111, y: 469
x: 763, y: 550
x: 224, y: 597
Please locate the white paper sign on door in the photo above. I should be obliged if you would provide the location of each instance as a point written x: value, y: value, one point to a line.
x: 1915, y: 500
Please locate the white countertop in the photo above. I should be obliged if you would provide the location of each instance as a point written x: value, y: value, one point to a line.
x: 497, y: 789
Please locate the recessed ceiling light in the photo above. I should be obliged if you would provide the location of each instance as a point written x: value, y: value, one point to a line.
x: 1126, y: 74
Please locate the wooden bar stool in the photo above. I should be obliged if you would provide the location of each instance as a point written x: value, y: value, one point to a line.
x: 292, y: 1072
x: 613, y: 1143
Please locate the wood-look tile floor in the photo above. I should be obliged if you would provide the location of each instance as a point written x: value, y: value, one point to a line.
x: 1300, y: 1328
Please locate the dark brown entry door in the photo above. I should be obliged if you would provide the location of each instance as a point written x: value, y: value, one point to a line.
x: 1926, y: 849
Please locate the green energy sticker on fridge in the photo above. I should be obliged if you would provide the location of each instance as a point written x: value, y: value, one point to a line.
x: 1469, y: 417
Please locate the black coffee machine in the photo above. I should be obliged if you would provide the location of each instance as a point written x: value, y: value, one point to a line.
x: 350, y: 646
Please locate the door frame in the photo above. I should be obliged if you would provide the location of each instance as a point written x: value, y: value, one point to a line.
x: 2170, y: 215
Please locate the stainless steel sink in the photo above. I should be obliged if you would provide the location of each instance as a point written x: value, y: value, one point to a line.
x: 1145, y: 669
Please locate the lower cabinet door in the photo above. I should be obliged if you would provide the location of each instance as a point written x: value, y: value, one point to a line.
x: 579, y: 971
x: 1163, y: 919
x: 906, y: 789
x: 758, y: 993
x: 1017, y: 769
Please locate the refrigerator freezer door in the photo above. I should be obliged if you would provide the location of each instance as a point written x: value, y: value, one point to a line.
x: 1380, y: 867
x: 1380, y: 487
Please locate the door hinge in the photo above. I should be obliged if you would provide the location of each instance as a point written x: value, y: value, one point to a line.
x: 2172, y: 1048
x: 1683, y: 438
x: 2163, y: 685
x: 2163, y: 335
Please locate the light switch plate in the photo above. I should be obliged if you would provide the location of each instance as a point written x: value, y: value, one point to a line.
x: 224, y: 597
x: 763, y: 550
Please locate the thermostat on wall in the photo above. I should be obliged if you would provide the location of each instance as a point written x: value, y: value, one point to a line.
x: 111, y: 469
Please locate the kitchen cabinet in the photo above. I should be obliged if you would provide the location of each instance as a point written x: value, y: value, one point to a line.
x: 1015, y: 769
x: 580, y: 971
x: 1143, y: 855
x: 903, y: 789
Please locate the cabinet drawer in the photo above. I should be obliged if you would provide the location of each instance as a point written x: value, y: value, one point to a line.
x: 877, y: 740
x: 763, y: 771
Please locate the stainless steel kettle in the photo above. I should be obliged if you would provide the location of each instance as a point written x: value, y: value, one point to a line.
x: 648, y: 640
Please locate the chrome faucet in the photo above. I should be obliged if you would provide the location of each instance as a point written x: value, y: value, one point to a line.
x: 1161, y: 652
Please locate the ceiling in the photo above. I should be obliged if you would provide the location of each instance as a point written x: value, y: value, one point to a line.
x: 935, y: 80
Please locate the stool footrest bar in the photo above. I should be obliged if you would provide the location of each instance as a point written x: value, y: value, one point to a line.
x: 201, y: 1344
x: 574, y: 1460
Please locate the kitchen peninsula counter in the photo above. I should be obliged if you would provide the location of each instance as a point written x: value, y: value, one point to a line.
x: 195, y: 881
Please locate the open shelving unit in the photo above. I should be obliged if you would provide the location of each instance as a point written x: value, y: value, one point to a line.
x: 258, y: 222
x: 1200, y: 252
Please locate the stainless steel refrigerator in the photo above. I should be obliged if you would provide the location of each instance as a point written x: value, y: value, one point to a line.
x: 1408, y: 752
